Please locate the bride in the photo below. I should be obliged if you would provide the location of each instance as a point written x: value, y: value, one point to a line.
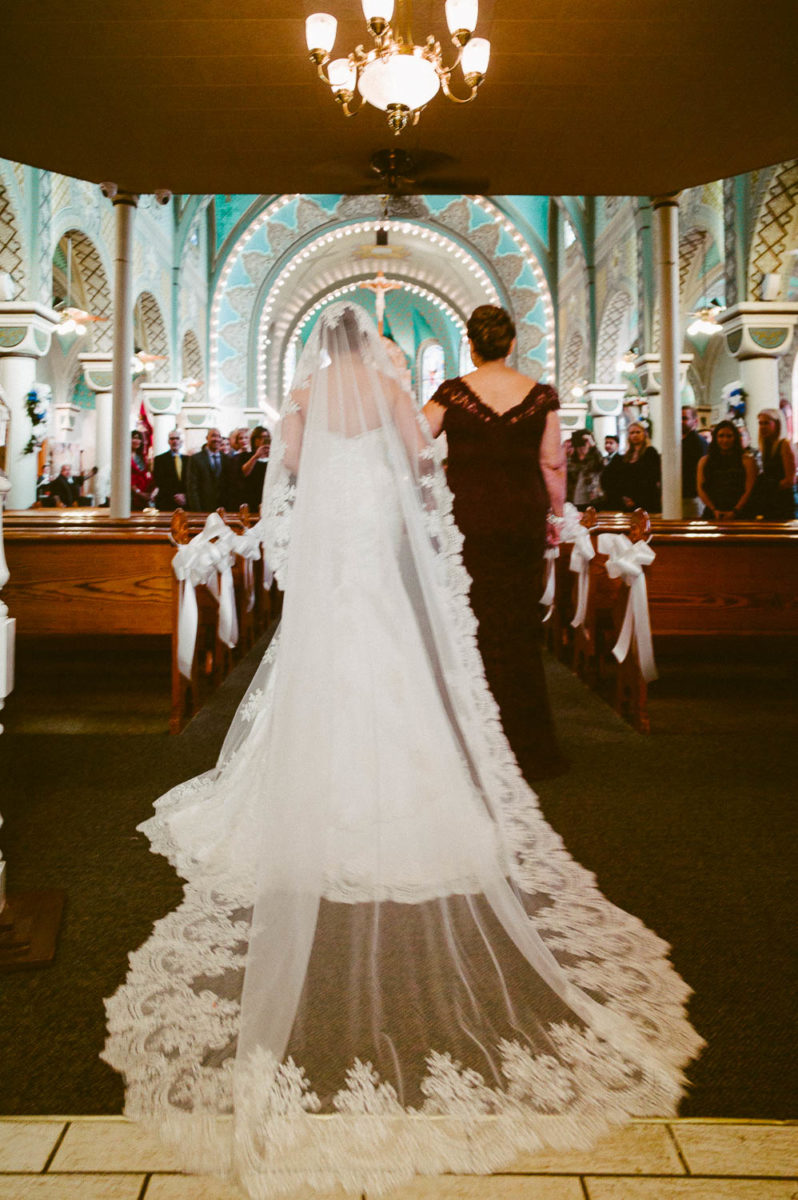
x: 385, y: 963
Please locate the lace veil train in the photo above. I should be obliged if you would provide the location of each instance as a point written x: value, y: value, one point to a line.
x: 385, y: 962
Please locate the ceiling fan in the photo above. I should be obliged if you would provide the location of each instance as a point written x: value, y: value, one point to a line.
x: 394, y: 172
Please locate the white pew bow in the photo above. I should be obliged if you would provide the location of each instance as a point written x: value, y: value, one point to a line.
x: 582, y: 552
x: 626, y: 560
x: 207, y: 559
x: 247, y: 546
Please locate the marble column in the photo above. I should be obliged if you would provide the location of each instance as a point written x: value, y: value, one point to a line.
x: 124, y: 210
x: 25, y: 331
x: 758, y: 333
x: 163, y: 402
x: 605, y: 401
x: 666, y: 240
x: 98, y: 373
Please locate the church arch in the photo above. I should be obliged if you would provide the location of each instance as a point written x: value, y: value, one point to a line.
x: 88, y: 285
x: 614, y: 336
x: 149, y: 335
x: 277, y: 244
x: 574, y: 363
x: 191, y: 364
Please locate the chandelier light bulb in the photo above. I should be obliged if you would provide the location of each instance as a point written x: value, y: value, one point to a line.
x: 476, y: 56
x: 320, y: 31
x: 80, y: 330
x: 378, y: 14
x: 461, y: 16
x: 342, y: 75
x: 66, y: 327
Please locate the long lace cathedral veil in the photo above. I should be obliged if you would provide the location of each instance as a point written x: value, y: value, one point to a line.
x: 430, y: 983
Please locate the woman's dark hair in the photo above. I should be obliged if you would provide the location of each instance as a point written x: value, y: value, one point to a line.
x: 257, y: 435
x: 578, y: 437
x: 714, y: 448
x: 491, y: 330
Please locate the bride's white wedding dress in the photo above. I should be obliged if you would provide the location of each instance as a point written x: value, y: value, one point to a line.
x: 385, y: 962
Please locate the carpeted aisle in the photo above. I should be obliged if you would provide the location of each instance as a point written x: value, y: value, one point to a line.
x: 691, y: 833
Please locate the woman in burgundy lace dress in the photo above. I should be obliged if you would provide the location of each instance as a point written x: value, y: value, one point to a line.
x: 506, y: 468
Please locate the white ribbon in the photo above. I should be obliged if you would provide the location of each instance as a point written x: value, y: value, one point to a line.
x: 208, y: 560
x: 547, y: 598
x: 581, y: 554
x: 626, y: 560
x: 247, y: 547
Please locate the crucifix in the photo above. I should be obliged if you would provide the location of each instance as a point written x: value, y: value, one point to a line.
x: 380, y: 286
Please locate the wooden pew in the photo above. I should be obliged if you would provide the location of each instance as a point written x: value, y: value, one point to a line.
x: 738, y: 579
x: 607, y: 598
x: 81, y: 573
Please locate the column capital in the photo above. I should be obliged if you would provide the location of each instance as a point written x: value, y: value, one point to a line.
x: 200, y: 416
x: 649, y: 370
x: 573, y: 415
x: 163, y: 399
x: 131, y: 199
x: 605, y: 399
x: 26, y: 328
x: 97, y: 371
x: 666, y: 200
x: 759, y: 328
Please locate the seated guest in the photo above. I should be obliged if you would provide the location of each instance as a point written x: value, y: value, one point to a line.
x: 773, y: 497
x: 641, y: 474
x: 141, y: 484
x: 694, y: 448
x: 726, y: 475
x: 211, y: 477
x: 252, y: 466
x: 584, y: 470
x: 170, y: 473
x: 65, y: 488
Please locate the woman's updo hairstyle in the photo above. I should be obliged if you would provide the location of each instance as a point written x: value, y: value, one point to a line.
x: 491, y: 330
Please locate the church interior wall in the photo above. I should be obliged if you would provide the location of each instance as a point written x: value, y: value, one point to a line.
x: 574, y: 268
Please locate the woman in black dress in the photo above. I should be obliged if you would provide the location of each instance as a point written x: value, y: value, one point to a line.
x: 639, y: 480
x: 774, y: 497
x: 506, y: 469
x: 726, y: 475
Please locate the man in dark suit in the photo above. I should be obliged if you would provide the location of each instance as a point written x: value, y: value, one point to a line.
x: 65, y: 488
x: 170, y: 473
x: 210, y: 477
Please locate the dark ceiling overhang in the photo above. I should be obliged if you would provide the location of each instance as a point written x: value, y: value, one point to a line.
x: 638, y: 97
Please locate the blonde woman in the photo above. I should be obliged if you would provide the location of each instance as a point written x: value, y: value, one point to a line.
x: 773, y: 495
x: 639, y: 481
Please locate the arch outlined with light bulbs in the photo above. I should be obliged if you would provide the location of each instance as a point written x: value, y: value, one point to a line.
x: 276, y: 238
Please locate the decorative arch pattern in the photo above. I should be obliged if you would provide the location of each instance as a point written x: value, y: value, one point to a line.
x: 191, y: 363
x: 775, y: 218
x: 612, y: 340
x: 573, y: 362
x: 93, y: 283
x: 12, y: 258
x: 279, y: 233
x: 150, y: 334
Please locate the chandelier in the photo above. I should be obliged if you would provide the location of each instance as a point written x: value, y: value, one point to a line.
x: 397, y: 75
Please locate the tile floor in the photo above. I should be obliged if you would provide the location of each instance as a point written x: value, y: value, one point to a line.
x: 107, y: 1158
